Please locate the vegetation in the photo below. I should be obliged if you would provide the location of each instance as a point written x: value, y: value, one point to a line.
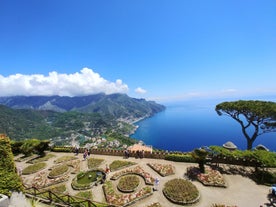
x: 181, y: 191
x: 34, y: 168
x: 119, y: 164
x: 180, y: 157
x: 41, y: 159
x: 9, y: 181
x: 256, y: 116
x: 86, y: 180
x: 262, y: 157
x: 85, y: 195
x: 58, y: 171
x: 199, y: 156
x: 65, y: 158
x: 94, y: 162
x: 162, y: 169
x: 128, y: 183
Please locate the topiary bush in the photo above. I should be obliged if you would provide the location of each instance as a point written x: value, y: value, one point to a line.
x: 181, y: 191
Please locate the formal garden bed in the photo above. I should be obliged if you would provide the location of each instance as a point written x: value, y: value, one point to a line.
x: 65, y: 158
x: 128, y: 183
x: 149, y: 180
x: 162, y: 169
x: 157, y: 204
x: 41, y: 180
x: 58, y: 171
x: 211, y: 177
x: 41, y: 159
x: 120, y: 164
x: 181, y: 191
x: 34, y: 168
x: 94, y: 162
x: 86, y: 180
x: 75, y: 165
x: 123, y: 199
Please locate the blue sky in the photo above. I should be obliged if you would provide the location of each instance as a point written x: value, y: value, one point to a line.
x: 155, y: 49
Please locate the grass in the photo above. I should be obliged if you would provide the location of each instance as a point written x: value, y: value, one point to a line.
x: 58, y: 171
x: 119, y: 164
x: 42, y: 159
x: 128, y: 183
x: 85, y: 195
x: 34, y: 168
x: 181, y: 191
x: 65, y: 159
x: 87, y: 177
x: 94, y: 162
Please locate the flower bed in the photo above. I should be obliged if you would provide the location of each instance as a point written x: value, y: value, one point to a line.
x: 149, y: 180
x: 58, y: 171
x: 157, y: 204
x: 119, y: 164
x: 65, y: 159
x: 94, y: 163
x: 114, y: 198
x: 162, y: 169
x: 41, y: 180
x: 34, y: 168
x: 128, y: 183
x: 211, y: 177
x: 75, y: 164
x: 41, y: 159
x: 181, y: 191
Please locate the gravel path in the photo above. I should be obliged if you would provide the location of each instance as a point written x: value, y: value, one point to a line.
x: 241, y: 191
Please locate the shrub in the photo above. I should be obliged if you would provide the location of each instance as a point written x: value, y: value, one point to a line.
x: 94, y: 162
x: 180, y: 157
x: 128, y: 183
x: 61, y: 149
x: 181, y: 191
x: 58, y: 171
x: 65, y: 159
x: 9, y: 181
x: 119, y: 164
x: 34, y: 168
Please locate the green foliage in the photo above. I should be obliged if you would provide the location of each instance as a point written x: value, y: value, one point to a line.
x: 34, y: 168
x: 27, y: 147
x: 265, y: 158
x: 94, y: 162
x: 180, y: 157
x: 9, y: 181
x: 253, y: 116
x: 61, y: 149
x: 58, y: 170
x: 42, y: 159
x: 118, y: 164
x: 85, y: 195
x: 181, y: 191
x: 128, y: 183
x: 65, y: 158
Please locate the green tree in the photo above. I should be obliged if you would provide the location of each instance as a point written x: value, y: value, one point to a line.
x: 200, y: 157
x: 254, y: 117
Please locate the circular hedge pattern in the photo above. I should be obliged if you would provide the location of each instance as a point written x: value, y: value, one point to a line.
x: 181, y: 191
x: 128, y: 183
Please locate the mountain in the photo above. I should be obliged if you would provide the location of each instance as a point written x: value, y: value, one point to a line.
x: 117, y: 105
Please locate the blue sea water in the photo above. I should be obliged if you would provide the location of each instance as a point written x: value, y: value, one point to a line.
x: 188, y: 126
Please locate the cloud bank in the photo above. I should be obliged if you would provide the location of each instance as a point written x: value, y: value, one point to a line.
x: 140, y: 90
x: 86, y: 82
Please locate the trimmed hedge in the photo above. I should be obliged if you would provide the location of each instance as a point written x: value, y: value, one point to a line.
x: 180, y: 157
x: 10, y: 181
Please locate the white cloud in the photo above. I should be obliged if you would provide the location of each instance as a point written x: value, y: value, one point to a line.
x: 85, y: 82
x: 140, y: 90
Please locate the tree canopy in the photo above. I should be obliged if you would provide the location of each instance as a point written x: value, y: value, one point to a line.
x: 254, y: 117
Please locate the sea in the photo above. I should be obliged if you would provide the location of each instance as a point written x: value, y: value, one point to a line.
x: 186, y: 126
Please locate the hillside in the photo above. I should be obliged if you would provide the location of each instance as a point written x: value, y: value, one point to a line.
x: 117, y: 105
x: 66, y: 119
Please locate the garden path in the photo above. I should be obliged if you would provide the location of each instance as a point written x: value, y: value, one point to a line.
x: 241, y: 191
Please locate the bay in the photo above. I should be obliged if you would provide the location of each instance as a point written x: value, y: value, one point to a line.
x: 192, y: 125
